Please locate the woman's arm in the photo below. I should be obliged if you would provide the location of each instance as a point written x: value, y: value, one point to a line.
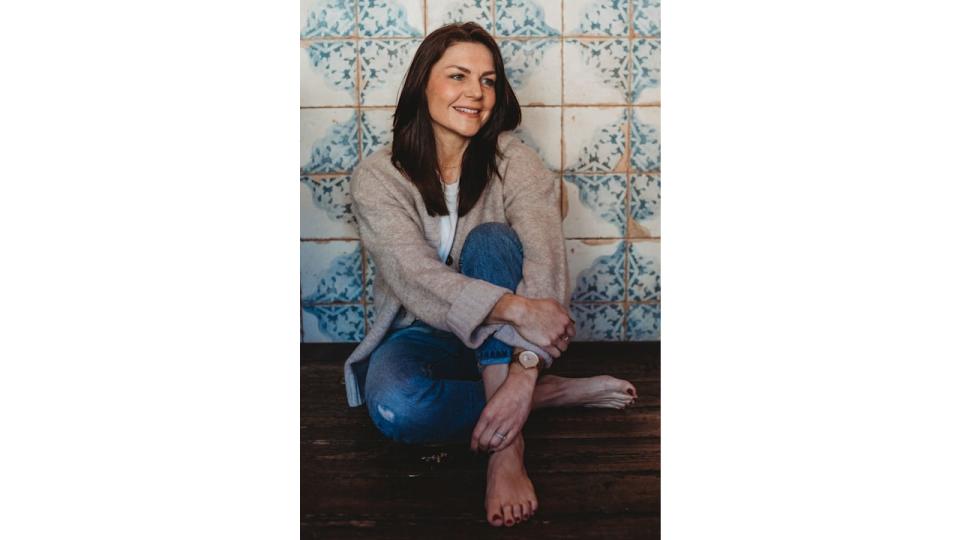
x: 392, y: 234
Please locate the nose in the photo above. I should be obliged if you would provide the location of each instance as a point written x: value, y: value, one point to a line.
x: 474, y: 90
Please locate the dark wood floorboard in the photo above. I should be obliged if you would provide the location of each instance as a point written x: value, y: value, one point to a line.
x: 596, y: 471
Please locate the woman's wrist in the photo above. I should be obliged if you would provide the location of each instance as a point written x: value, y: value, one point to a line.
x: 509, y: 309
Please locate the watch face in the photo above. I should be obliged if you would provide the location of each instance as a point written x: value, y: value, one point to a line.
x: 529, y: 359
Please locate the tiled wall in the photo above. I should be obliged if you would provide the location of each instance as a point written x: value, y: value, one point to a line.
x: 587, y: 74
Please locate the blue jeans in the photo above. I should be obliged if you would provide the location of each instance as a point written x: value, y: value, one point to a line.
x: 423, y: 385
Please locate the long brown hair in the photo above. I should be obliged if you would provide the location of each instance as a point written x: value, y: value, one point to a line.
x: 414, y: 150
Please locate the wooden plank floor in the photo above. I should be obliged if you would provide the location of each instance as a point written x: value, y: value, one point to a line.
x: 596, y: 471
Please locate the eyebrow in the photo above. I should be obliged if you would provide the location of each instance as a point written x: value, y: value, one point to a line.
x: 461, y: 68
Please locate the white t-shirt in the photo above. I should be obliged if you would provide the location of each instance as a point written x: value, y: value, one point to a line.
x: 448, y: 223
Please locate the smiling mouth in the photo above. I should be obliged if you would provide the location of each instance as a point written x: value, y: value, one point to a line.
x: 467, y: 111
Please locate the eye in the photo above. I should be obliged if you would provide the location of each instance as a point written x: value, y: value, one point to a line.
x: 490, y: 82
x: 455, y: 75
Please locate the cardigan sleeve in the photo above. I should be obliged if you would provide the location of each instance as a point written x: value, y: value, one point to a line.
x: 435, y: 293
x: 532, y: 207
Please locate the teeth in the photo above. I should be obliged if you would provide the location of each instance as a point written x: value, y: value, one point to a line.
x: 471, y: 111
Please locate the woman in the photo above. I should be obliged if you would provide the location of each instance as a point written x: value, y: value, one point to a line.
x: 463, y: 223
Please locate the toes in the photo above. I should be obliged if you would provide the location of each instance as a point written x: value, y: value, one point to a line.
x: 508, y: 518
x: 518, y: 512
x: 495, y: 517
x: 526, y: 510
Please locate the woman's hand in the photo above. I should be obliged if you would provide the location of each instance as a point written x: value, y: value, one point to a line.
x: 506, y: 412
x: 545, y: 323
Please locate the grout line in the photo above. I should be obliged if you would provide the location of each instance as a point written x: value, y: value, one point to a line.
x: 629, y: 183
x: 424, y: 19
x: 511, y: 37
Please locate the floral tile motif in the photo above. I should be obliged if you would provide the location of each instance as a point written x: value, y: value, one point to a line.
x: 330, y: 272
x: 383, y: 65
x: 595, y: 18
x: 328, y: 73
x: 528, y: 17
x: 325, y: 208
x: 533, y: 69
x: 643, y: 271
x: 644, y: 206
x: 371, y: 273
x: 645, y: 139
x: 646, y: 71
x: 598, y: 322
x: 646, y: 17
x: 370, y: 313
x: 643, y: 322
x: 540, y: 129
x: 595, y: 139
x: 321, y: 18
x: 337, y: 323
x: 379, y: 18
x: 376, y: 130
x: 596, y: 205
x: 441, y: 12
x: 596, y: 270
x: 328, y: 140
x: 595, y: 71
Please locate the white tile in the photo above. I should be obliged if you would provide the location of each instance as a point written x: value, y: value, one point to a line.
x: 643, y: 270
x: 329, y: 141
x: 644, y: 205
x: 645, y: 56
x: 321, y: 18
x: 330, y: 272
x: 528, y: 17
x: 533, y: 69
x: 326, y: 208
x: 383, y: 66
x: 595, y: 71
x: 596, y: 205
x: 595, y: 139
x: 597, y: 270
x: 643, y: 322
x: 593, y: 18
x: 381, y: 18
x: 540, y: 129
x: 376, y: 129
x: 443, y: 12
x: 328, y: 73
x: 645, y: 139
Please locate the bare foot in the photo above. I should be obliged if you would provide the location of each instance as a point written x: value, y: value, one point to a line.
x: 600, y: 391
x: 510, y: 495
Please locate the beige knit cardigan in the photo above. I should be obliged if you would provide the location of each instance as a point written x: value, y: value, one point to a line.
x: 403, y: 239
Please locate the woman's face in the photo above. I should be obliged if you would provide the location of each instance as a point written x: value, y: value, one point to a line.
x: 461, y: 90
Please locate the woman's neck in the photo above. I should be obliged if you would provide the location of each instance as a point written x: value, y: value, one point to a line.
x: 449, y: 156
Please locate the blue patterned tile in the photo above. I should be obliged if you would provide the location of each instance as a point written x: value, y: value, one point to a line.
x: 596, y: 205
x: 540, y: 129
x: 643, y: 271
x: 644, y: 206
x: 595, y: 71
x: 371, y: 273
x: 598, y: 322
x: 400, y: 18
x: 320, y: 18
x: 330, y: 272
x: 325, y: 208
x: 597, y: 270
x: 595, y: 139
x: 329, y: 141
x: 645, y: 139
x: 376, y: 129
x: 533, y: 69
x: 383, y: 64
x: 595, y: 17
x: 333, y: 323
x: 643, y: 322
x: 371, y: 314
x: 441, y: 12
x: 646, y: 71
x: 646, y: 17
x: 528, y: 17
x: 328, y: 73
